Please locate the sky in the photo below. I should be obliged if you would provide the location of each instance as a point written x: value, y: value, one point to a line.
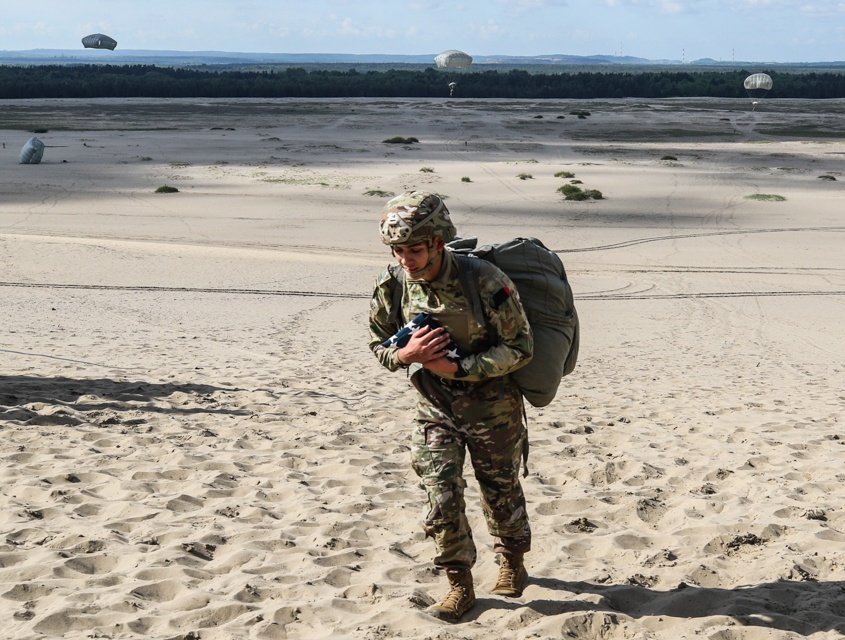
x: 683, y: 30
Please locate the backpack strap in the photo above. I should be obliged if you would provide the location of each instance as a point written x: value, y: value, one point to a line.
x: 397, y: 289
x: 469, y: 274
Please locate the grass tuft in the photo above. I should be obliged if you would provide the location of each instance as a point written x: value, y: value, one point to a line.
x: 765, y: 197
x: 400, y: 140
x: 571, y: 192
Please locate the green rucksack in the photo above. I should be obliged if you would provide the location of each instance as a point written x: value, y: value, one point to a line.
x: 546, y: 296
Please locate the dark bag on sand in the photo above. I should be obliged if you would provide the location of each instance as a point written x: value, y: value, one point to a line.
x: 546, y: 296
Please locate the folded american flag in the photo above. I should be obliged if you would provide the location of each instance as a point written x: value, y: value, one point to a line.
x: 401, y: 337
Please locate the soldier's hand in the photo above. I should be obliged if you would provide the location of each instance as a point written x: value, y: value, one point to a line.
x: 425, y: 345
x: 441, y: 365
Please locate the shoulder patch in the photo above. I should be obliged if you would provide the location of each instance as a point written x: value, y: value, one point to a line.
x: 501, y: 296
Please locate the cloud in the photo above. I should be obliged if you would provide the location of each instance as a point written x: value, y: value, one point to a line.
x: 669, y: 7
x: 426, y: 5
x: 349, y: 27
x: 816, y: 7
x: 823, y: 9
x: 487, y: 30
x: 270, y: 28
x: 524, y: 6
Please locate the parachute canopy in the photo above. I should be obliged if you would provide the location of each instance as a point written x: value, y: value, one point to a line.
x: 757, y: 85
x: 32, y: 152
x: 99, y: 41
x: 453, y: 59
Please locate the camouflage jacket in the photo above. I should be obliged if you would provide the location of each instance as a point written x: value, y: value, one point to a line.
x: 444, y: 300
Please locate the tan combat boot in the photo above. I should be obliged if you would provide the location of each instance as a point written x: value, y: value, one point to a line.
x: 459, y: 600
x: 512, y: 576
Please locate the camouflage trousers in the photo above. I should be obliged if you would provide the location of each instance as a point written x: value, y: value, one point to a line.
x: 484, y: 419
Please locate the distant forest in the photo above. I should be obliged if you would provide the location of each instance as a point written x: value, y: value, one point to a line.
x: 130, y: 81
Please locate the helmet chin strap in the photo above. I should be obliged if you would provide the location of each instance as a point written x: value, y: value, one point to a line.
x: 433, y: 256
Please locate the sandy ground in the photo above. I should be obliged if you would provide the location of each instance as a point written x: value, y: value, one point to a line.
x: 196, y: 442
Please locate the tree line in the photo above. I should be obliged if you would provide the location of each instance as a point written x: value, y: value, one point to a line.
x: 135, y: 81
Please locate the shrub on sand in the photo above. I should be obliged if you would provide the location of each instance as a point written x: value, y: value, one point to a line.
x: 571, y: 192
x: 167, y: 189
x: 400, y: 140
x: 765, y: 197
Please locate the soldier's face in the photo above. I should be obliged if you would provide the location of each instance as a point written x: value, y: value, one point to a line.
x: 418, y: 261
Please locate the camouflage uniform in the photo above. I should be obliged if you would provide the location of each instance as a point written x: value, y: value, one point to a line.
x: 479, y: 409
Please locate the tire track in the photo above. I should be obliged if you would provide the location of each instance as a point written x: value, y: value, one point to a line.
x: 631, y: 243
x: 153, y: 289
x: 233, y: 244
x: 74, y: 360
x: 721, y: 294
x: 760, y: 271
x: 363, y: 296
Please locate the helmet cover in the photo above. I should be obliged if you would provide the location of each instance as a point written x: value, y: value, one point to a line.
x: 415, y: 216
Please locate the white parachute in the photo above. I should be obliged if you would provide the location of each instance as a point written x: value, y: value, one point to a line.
x: 758, y: 85
x: 99, y: 41
x: 32, y: 152
x: 453, y: 59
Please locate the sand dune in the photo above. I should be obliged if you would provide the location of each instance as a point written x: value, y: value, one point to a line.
x: 198, y: 444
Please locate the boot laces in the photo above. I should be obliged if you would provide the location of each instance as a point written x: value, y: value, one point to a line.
x: 508, y: 573
x: 457, y: 593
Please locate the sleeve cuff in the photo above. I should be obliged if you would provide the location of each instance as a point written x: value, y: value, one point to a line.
x: 461, y: 372
x: 398, y: 363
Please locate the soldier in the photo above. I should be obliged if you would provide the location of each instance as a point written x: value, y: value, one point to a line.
x: 469, y: 404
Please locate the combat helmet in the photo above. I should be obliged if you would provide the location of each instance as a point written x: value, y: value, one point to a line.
x: 415, y: 216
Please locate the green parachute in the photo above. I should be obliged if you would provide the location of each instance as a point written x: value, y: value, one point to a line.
x: 99, y: 41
